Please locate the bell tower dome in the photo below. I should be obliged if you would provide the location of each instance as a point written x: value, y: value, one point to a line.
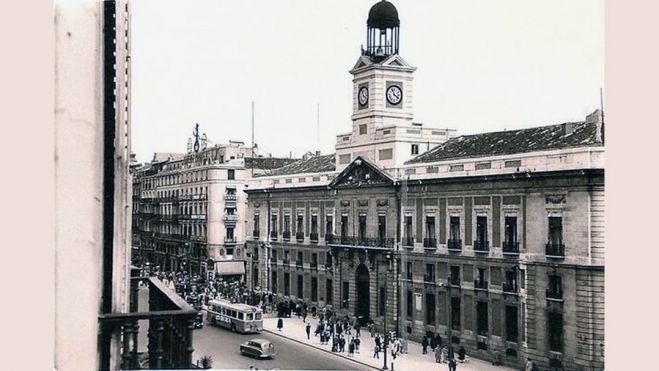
x: 382, y: 31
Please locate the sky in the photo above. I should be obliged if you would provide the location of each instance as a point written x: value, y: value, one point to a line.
x: 482, y: 66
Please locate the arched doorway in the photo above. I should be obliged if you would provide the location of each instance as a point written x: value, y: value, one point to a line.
x: 363, y: 293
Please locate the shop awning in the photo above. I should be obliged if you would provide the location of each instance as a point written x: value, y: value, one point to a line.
x: 225, y: 268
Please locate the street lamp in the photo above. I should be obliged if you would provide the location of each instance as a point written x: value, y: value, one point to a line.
x: 450, y: 320
x: 389, y: 258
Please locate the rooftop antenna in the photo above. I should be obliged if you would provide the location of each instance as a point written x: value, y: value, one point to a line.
x: 318, y: 126
x: 252, y: 164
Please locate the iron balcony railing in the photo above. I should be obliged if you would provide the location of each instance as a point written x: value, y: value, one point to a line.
x: 286, y: 261
x: 510, y: 248
x: 509, y: 287
x: 230, y: 197
x: 554, y: 295
x: 363, y: 241
x: 287, y: 235
x: 408, y: 241
x: 299, y: 236
x: 555, y: 250
x: 313, y: 236
x: 329, y: 238
x: 454, y: 281
x: 230, y: 240
x: 454, y: 244
x: 481, y: 246
x: 273, y: 235
x: 231, y: 218
x: 169, y: 339
x: 256, y: 233
x: 430, y: 243
x: 313, y: 264
x: 429, y: 278
x: 480, y: 284
x: 298, y: 263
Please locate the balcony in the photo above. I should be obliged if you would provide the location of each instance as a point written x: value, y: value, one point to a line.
x: 298, y: 264
x: 454, y: 245
x: 329, y: 238
x: 481, y: 246
x: 480, y: 285
x: 273, y: 235
x: 313, y: 265
x: 256, y: 234
x: 429, y: 278
x: 555, y: 250
x: 231, y: 219
x: 454, y: 281
x: 170, y: 327
x: 203, y: 217
x: 286, y: 261
x: 287, y: 235
x: 509, y: 288
x: 408, y: 242
x: 363, y: 241
x: 299, y: 236
x: 429, y: 243
x: 510, y: 248
x: 554, y: 295
x: 230, y: 197
x: 229, y: 240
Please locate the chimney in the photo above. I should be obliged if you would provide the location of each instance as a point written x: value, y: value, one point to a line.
x: 317, y: 153
x: 597, y: 118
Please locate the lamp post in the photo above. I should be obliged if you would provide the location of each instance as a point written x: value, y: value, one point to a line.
x: 450, y: 320
x: 389, y: 258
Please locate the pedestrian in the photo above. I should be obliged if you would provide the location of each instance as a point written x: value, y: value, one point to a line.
x: 529, y: 365
x: 462, y: 353
x: 308, y: 330
x: 452, y: 365
x: 444, y: 357
x: 376, y: 352
x: 358, y: 328
x: 322, y: 338
x: 304, y: 315
x: 371, y: 328
x: 378, y: 342
x: 280, y: 323
x: 438, y: 355
x: 357, y: 342
x: 433, y: 342
x: 424, y: 344
x: 351, y: 348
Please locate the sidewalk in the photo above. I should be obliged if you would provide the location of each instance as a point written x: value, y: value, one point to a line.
x: 294, y: 329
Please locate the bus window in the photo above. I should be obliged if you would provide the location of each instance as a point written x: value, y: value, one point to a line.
x: 233, y: 313
x: 250, y: 316
x: 257, y: 316
x: 240, y: 315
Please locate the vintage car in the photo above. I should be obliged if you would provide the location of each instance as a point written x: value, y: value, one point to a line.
x: 258, y: 348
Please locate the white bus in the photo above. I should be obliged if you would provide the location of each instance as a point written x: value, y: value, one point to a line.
x: 237, y: 317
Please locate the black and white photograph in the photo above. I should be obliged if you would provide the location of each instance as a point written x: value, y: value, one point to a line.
x: 330, y: 185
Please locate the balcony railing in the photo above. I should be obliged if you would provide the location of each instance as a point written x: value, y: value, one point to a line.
x: 555, y: 250
x: 299, y: 236
x: 509, y: 288
x: 554, y: 295
x: 510, y: 248
x: 256, y: 234
x: 286, y: 261
x: 454, y: 281
x: 365, y: 241
x: 329, y: 238
x: 430, y: 243
x: 313, y: 237
x: 298, y: 263
x: 231, y: 240
x: 429, y: 278
x: 286, y: 235
x: 481, y: 246
x: 313, y: 265
x: 230, y: 197
x: 171, y: 322
x: 454, y: 244
x: 480, y: 285
x: 231, y: 218
x: 273, y: 235
x: 408, y: 242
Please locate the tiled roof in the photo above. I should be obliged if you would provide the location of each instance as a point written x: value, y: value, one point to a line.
x: 267, y: 163
x: 571, y: 134
x: 315, y: 164
x: 164, y: 156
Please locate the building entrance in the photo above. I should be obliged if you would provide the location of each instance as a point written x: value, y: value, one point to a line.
x: 363, y: 294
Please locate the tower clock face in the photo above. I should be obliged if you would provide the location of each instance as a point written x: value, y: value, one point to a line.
x: 363, y: 96
x: 394, y: 95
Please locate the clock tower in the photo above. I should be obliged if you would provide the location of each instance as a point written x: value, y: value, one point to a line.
x: 382, y: 114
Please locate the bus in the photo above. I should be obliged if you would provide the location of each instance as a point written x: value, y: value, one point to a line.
x: 237, y: 317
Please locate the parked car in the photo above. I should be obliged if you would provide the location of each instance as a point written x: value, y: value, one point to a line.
x: 258, y: 348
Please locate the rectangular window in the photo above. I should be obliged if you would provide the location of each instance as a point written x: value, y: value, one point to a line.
x: 300, y: 224
x: 329, y: 224
x: 300, y: 257
x: 231, y: 174
x: 382, y: 227
x: 300, y: 286
x: 229, y: 233
x: 382, y: 302
x: 415, y: 149
x: 455, y: 275
x: 287, y: 224
x: 329, y: 292
x: 408, y: 270
x: 301, y: 180
x: 555, y: 287
x: 408, y: 230
x: 362, y: 227
x: 512, y: 329
x: 314, y: 288
x: 430, y: 309
x: 344, y: 159
x: 410, y: 304
x: 314, y: 225
x: 513, y: 163
x: 257, y: 226
x: 456, y: 168
x: 481, y: 233
x: 483, y: 165
x: 274, y: 282
x: 344, y: 226
x: 328, y: 259
x: 455, y: 313
x: 345, y: 295
x: 430, y: 273
x: 481, y: 318
x: 430, y: 227
x: 314, y: 260
x: 511, y: 233
x: 555, y: 331
x: 454, y: 230
x: 362, y: 129
x: 274, y: 255
x: 273, y: 225
x: 432, y: 169
x: 555, y: 230
x: 386, y: 154
x: 287, y: 284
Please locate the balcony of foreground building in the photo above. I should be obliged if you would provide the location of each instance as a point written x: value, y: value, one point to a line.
x: 510, y: 248
x: 170, y: 330
x: 510, y: 288
x: 230, y: 219
x: 430, y: 243
x: 372, y: 242
x: 454, y: 281
x: 481, y: 246
x: 256, y: 234
x: 454, y: 245
x: 408, y: 242
x: 313, y: 237
x: 554, y: 295
x: 229, y: 240
x: 286, y: 235
x: 274, y: 235
x: 299, y: 236
x: 480, y: 285
x: 329, y: 239
x: 555, y: 250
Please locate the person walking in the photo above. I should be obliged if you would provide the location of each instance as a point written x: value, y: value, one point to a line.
x: 424, y: 344
x: 308, y: 330
x: 462, y: 353
x: 304, y: 315
x: 351, y: 348
x: 280, y: 323
x: 438, y: 354
x: 358, y: 328
x: 357, y: 342
x: 378, y: 342
x: 529, y: 365
x: 452, y: 365
x: 376, y: 351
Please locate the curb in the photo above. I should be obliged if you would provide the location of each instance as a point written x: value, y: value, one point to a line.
x: 321, y: 349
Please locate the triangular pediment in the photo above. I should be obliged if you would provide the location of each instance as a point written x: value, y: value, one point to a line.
x: 361, y: 173
x: 362, y: 62
x: 395, y: 61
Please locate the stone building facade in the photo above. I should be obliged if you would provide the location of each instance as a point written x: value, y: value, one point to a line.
x: 493, y: 238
